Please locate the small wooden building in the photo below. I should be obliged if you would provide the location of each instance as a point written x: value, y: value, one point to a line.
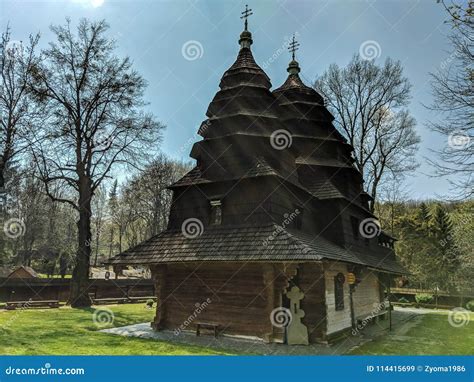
x: 270, y: 235
x: 23, y: 272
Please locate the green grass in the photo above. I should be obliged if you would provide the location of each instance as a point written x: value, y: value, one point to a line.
x: 68, y: 331
x: 433, y: 336
x: 45, y: 276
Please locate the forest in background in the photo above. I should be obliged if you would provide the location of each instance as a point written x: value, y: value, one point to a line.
x: 123, y: 215
x: 434, y: 242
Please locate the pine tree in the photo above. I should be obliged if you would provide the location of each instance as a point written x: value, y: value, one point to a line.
x: 424, y: 214
x: 446, y: 251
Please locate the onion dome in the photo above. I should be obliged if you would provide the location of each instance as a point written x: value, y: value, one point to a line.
x: 322, y: 155
x: 240, y: 121
x: 244, y: 102
x: 294, y: 88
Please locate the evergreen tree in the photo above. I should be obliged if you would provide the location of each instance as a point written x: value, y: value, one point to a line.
x: 446, y: 251
x: 424, y: 214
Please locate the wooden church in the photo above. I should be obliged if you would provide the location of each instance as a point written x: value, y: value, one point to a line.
x: 270, y: 234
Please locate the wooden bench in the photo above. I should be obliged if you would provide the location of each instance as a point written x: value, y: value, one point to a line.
x: 207, y: 325
x: 108, y: 301
x: 142, y: 299
x: 121, y: 300
x: 12, y: 305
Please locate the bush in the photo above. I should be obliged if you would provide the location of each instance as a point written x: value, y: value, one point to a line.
x: 149, y: 303
x: 423, y: 298
x: 404, y: 300
x: 470, y: 305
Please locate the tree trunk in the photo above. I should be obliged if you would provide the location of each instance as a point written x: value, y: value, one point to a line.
x: 80, y: 276
x: 2, y: 176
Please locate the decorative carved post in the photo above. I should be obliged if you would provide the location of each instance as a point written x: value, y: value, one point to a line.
x: 158, y: 273
x: 269, y: 282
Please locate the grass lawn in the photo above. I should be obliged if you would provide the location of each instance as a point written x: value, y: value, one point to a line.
x: 433, y: 336
x: 67, y: 331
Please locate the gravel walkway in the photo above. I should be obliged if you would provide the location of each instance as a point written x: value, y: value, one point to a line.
x: 402, y: 321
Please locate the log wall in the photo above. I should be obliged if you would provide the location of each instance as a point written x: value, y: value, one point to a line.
x: 367, y: 295
x: 336, y: 319
x: 239, y: 297
x: 236, y: 296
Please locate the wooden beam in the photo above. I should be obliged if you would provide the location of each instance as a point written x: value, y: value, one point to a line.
x: 269, y: 283
x: 158, y: 273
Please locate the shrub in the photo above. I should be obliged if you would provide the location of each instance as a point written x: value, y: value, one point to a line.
x: 423, y: 298
x: 470, y: 305
x: 404, y: 300
x: 149, y: 303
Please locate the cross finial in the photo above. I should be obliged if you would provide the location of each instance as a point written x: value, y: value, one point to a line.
x: 293, y: 47
x: 245, y: 15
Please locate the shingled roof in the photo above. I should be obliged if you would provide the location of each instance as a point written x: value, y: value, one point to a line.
x: 260, y: 167
x: 322, y: 188
x: 247, y: 243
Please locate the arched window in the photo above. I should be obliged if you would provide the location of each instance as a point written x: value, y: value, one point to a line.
x: 339, y: 291
x: 216, y: 212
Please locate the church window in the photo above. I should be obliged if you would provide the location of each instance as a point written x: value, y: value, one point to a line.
x: 339, y: 291
x: 216, y: 212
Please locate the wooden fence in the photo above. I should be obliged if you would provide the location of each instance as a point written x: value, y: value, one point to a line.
x: 58, y: 289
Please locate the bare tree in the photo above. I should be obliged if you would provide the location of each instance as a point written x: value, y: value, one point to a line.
x: 453, y: 93
x: 99, y: 205
x: 369, y: 104
x: 96, y: 123
x: 112, y: 206
x: 16, y: 112
x: 151, y: 199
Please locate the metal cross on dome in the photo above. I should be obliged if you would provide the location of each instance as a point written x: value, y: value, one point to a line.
x: 293, y: 46
x: 245, y: 15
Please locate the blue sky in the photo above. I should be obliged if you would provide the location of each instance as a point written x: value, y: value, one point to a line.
x: 155, y: 33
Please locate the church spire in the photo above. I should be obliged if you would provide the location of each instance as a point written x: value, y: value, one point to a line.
x: 293, y: 67
x: 293, y: 82
x: 246, y: 37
